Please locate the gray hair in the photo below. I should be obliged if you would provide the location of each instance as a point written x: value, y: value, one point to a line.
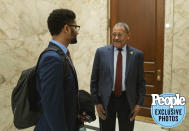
x: 123, y: 25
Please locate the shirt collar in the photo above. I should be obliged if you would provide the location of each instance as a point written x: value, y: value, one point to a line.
x: 123, y: 49
x: 62, y: 47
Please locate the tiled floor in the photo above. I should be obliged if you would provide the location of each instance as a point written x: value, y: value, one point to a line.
x: 139, y: 126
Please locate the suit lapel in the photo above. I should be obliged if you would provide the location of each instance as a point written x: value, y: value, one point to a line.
x: 129, y: 60
x: 72, y: 68
x: 74, y: 71
x: 111, y: 60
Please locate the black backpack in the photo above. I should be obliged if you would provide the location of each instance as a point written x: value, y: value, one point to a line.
x: 25, y: 100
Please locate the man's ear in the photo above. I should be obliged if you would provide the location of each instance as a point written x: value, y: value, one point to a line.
x: 66, y: 28
x: 128, y: 34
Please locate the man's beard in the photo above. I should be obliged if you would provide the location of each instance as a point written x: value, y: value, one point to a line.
x: 74, y: 38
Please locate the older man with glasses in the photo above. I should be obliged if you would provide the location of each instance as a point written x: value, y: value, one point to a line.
x: 117, y: 81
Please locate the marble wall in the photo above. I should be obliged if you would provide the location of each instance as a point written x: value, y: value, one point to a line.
x: 24, y: 34
x: 176, y: 53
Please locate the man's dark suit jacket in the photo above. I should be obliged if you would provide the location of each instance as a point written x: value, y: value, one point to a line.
x: 103, y: 75
x: 59, y: 96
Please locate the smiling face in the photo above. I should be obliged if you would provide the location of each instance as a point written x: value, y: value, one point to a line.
x: 119, y: 36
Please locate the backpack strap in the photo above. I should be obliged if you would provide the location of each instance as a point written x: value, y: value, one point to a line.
x: 61, y: 53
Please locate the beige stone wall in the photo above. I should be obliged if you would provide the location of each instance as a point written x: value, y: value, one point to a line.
x: 24, y: 34
x: 176, y: 53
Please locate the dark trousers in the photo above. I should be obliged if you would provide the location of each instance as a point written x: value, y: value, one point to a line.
x: 120, y: 106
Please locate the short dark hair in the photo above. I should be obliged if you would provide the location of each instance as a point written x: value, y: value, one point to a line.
x: 58, y: 18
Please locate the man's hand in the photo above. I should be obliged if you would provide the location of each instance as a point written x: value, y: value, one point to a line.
x: 135, y: 112
x: 79, y: 117
x: 101, y: 111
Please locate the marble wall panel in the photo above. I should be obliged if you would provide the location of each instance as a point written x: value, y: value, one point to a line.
x: 24, y: 34
x: 180, y: 65
x: 176, y: 61
x: 168, y: 47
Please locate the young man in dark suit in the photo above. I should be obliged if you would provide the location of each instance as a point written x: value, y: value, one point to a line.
x: 58, y: 94
x: 117, y: 81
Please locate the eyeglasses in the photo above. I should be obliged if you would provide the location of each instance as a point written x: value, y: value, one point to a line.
x: 117, y: 34
x: 77, y: 27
